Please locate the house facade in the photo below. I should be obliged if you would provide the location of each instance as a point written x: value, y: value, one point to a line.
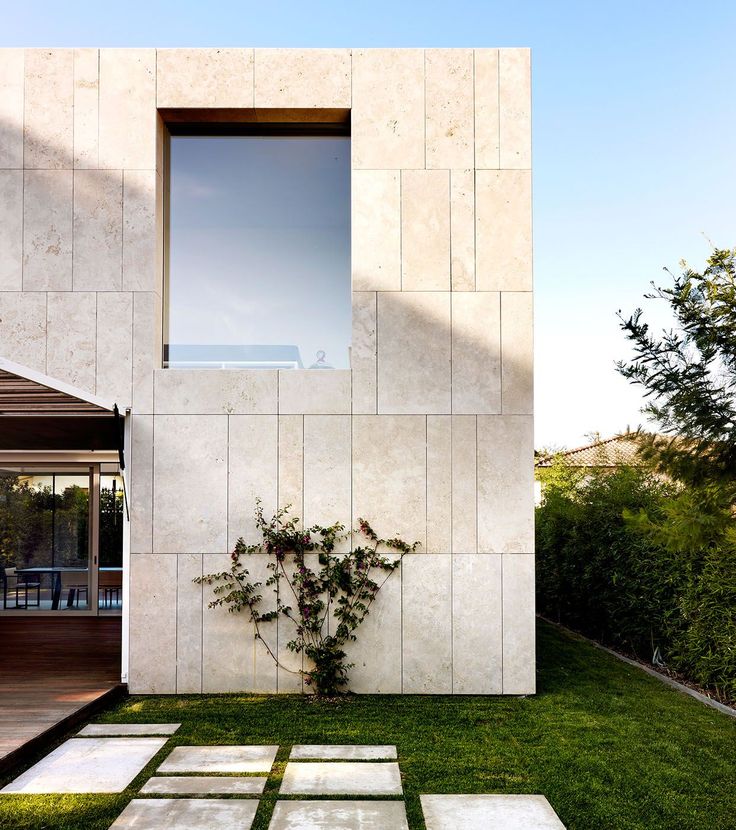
x: 425, y: 426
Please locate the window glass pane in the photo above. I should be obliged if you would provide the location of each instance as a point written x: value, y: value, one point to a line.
x: 259, y: 251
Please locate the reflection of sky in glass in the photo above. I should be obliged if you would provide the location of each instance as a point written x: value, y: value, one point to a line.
x: 260, y: 243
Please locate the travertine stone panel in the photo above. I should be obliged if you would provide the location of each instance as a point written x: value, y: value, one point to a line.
x: 450, y: 115
x: 98, y: 230
x: 377, y: 651
x: 252, y: 473
x: 248, y: 665
x: 152, y: 610
x: 147, y: 321
x: 389, y: 474
x: 425, y: 230
x: 203, y: 499
x: 376, y: 230
x: 327, y: 443
x: 505, y: 484
x: 363, y: 353
x: 11, y: 230
x: 289, y: 677
x: 414, y: 352
x: 23, y: 328
x: 188, y: 624
x: 439, y: 483
x: 86, y: 107
x: 427, y: 623
x: 140, y: 240
x: 519, y: 662
x: 216, y: 391
x: 291, y: 463
x: 47, y: 230
x: 314, y: 391
x: 464, y: 504
x: 11, y: 107
x: 514, y: 96
x: 71, y: 346
x: 302, y: 78
x: 141, y: 484
x: 476, y: 624
x: 48, y: 128
x: 487, y: 135
x: 503, y: 213
x: 115, y: 347
x: 128, y: 109
x: 205, y: 78
x: 476, y: 352
x: 388, y: 109
x: 462, y: 229
x: 517, y: 352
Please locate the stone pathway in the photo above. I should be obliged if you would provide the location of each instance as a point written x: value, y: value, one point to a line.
x: 203, y: 785
x: 213, y: 759
x: 186, y: 814
x: 340, y: 815
x: 107, y: 730
x: 341, y: 778
x: 489, y: 812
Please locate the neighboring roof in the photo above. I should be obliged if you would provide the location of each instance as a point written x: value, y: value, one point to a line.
x: 613, y: 452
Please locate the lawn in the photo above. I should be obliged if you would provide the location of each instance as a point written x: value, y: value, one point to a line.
x: 610, y: 747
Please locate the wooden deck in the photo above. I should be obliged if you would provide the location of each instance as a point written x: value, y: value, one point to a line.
x: 53, y: 672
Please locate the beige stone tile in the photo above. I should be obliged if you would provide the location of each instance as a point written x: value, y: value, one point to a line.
x: 86, y: 107
x: 487, y: 132
x: 439, y: 483
x: 327, y: 461
x: 253, y: 459
x: 204, y: 785
x: 426, y: 628
x: 12, y: 62
x: 302, y: 78
x: 476, y: 624
x: 115, y: 347
x: 314, y: 391
x: 128, y: 109
x: 491, y: 812
x: 425, y: 230
x: 48, y: 128
x: 23, y: 328
x: 341, y: 778
x: 390, y: 474
x: 191, y: 518
x: 519, y: 662
x: 204, y: 78
x: 147, y: 322
x: 98, y: 230
x: 503, y: 222
x: 152, y: 609
x: 514, y: 97
x: 187, y: 813
x: 450, y: 108
x: 414, y: 352
x: 464, y: 484
x: 517, y: 352
x: 376, y: 230
x: 290, y: 663
x: 11, y: 230
x: 71, y: 346
x: 47, y: 230
x: 357, y: 815
x: 476, y: 352
x: 462, y: 229
x: 188, y: 624
x: 388, y: 109
x: 291, y: 464
x: 141, y: 484
x: 363, y: 353
x: 216, y: 391
x: 342, y: 752
x: 505, y: 484
x: 141, y: 271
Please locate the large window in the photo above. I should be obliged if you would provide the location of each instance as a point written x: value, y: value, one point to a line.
x: 259, y: 251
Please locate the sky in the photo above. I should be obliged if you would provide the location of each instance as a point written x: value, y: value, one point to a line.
x: 634, y: 117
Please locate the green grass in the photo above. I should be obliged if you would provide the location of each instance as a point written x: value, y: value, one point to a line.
x: 610, y: 747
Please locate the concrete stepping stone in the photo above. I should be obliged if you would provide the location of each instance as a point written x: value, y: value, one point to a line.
x: 341, y: 778
x: 88, y: 765
x: 186, y: 814
x: 220, y: 759
x: 489, y: 812
x: 97, y: 730
x: 203, y: 785
x: 342, y: 752
x: 339, y: 815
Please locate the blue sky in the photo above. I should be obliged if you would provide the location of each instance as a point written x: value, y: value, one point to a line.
x: 634, y: 117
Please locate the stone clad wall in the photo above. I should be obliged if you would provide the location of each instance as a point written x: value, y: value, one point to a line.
x: 429, y: 435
